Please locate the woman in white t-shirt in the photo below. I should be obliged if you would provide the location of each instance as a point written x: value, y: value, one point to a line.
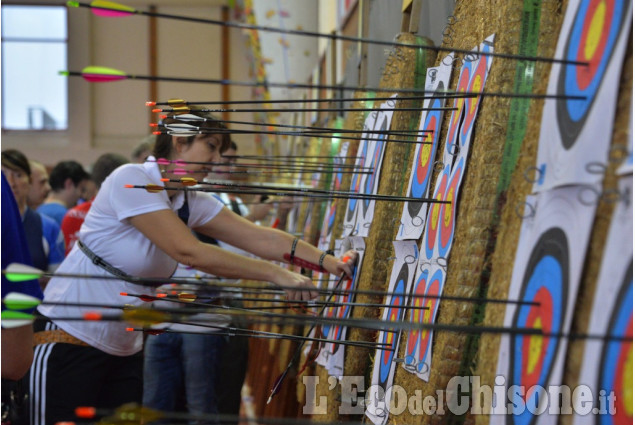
x: 98, y: 363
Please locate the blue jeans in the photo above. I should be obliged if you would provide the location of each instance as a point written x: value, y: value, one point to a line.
x: 173, y: 361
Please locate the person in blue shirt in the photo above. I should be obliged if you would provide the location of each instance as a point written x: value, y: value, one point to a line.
x: 69, y: 182
x: 17, y: 342
x: 43, y: 235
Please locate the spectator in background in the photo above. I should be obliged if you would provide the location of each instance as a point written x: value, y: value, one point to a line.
x: 254, y: 212
x: 90, y: 191
x: 143, y: 150
x: 17, y: 342
x: 73, y: 219
x: 68, y: 182
x: 43, y: 236
x: 40, y: 187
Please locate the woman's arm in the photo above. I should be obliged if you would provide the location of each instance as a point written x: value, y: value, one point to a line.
x: 270, y: 243
x: 169, y: 233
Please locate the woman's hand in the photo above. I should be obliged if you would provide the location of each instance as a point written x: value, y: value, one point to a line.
x: 345, y: 265
x: 289, y: 280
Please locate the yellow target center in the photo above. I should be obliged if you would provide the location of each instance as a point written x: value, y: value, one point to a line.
x: 535, y: 348
x: 435, y: 215
x: 427, y: 313
x: 447, y: 217
x: 425, y: 152
x: 478, y: 85
x: 595, y: 31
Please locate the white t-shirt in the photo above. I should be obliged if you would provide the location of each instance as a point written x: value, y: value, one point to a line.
x: 244, y: 212
x: 109, y: 234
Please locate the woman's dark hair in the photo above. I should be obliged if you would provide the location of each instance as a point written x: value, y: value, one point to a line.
x: 16, y: 160
x: 163, y: 143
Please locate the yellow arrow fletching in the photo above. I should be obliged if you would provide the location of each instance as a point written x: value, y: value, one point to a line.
x: 110, y: 9
x: 102, y: 74
x: 187, y: 296
x: 135, y: 413
x: 154, y: 188
x: 188, y: 181
x: 145, y: 317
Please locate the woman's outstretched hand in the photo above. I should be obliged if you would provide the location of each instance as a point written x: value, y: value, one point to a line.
x: 297, y: 287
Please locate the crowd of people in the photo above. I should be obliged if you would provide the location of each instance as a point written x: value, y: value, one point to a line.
x: 74, y: 223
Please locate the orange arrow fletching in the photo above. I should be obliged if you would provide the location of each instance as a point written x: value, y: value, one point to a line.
x: 92, y: 315
x: 145, y: 317
x: 85, y: 412
x: 110, y: 9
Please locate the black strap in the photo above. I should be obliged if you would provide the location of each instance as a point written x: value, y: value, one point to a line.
x: 184, y: 211
x: 235, y: 206
x: 98, y: 261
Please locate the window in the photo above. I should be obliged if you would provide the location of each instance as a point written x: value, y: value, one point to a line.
x: 34, y: 50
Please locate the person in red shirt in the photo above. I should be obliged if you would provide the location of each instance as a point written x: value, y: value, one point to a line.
x: 74, y: 218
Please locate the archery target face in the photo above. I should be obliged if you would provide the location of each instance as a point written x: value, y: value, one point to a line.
x: 616, y: 364
x: 447, y: 212
x: 433, y: 223
x: 434, y: 289
x: 371, y: 180
x: 416, y: 316
x: 424, y: 158
x: 342, y: 312
x: 575, y: 134
x: 351, y: 209
x: 395, y: 312
x: 457, y: 117
x: 592, y: 38
x: 546, y: 281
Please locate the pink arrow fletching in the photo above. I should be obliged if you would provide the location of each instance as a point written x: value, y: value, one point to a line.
x: 94, y: 78
x: 110, y: 9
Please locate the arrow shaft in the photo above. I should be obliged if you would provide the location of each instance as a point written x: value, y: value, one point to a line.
x: 201, y: 130
x: 341, y: 37
x: 434, y: 95
x: 295, y: 192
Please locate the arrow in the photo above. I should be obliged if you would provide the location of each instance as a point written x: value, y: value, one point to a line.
x: 133, y: 414
x: 102, y: 74
x: 276, y: 386
x: 181, y: 129
x: 436, y: 95
x: 15, y: 272
x: 232, y: 331
x: 112, y: 9
x: 209, y: 110
x: 155, y: 188
x: 150, y: 316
